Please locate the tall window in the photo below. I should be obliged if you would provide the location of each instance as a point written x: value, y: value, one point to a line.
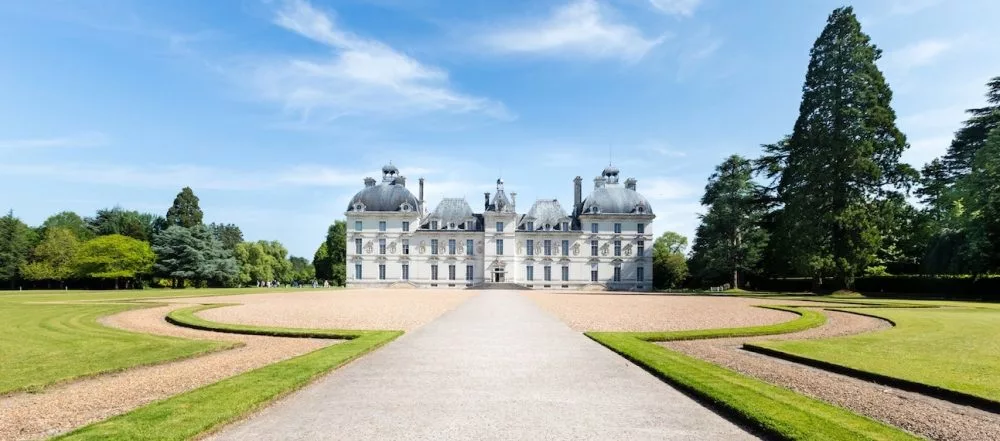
x: 451, y: 246
x: 565, y: 273
x: 640, y: 274
x: 593, y: 248
x: 406, y: 225
x: 529, y: 272
x: 468, y: 272
x: 593, y: 228
x: 618, y: 228
x: 406, y: 246
x: 381, y: 225
x: 531, y: 226
x: 434, y: 272
x: 593, y: 273
x: 381, y: 246
x: 547, y: 246
x: 357, y: 225
x: 451, y: 272
x: 547, y: 270
x: 357, y: 271
x: 468, y: 225
x: 565, y: 248
x: 499, y: 226
x: 618, y: 274
x: 565, y: 226
x: 434, y: 225
x: 434, y: 246
x: 381, y: 271
x: 499, y: 247
x: 640, y: 228
x: 406, y: 271
x: 530, y: 245
x: 468, y: 247
x: 357, y: 246
x: 640, y: 248
x: 618, y: 248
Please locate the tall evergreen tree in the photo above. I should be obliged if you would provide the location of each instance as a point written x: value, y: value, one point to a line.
x: 16, y: 240
x: 981, y: 194
x: 973, y: 134
x: 185, y: 211
x: 228, y: 234
x: 842, y: 157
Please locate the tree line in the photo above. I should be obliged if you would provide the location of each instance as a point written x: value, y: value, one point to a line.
x: 832, y: 202
x: 119, y: 248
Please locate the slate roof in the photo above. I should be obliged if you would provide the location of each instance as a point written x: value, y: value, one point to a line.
x: 452, y: 210
x: 615, y: 199
x: 545, y: 211
x: 390, y: 195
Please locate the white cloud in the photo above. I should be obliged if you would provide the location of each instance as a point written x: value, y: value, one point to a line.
x: 666, y: 189
x: 918, y: 54
x: 907, y: 7
x: 88, y: 139
x: 676, y: 7
x: 581, y: 28
x: 362, y: 76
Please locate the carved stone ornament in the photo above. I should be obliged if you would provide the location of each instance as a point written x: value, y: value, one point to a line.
x: 479, y: 247
x: 576, y: 249
x: 423, y: 247
x: 520, y: 248
x: 628, y: 249
x: 392, y: 247
x: 604, y: 249
x: 538, y: 248
x: 460, y: 248
x: 369, y: 247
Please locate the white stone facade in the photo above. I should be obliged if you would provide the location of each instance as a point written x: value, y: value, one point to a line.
x: 605, y: 244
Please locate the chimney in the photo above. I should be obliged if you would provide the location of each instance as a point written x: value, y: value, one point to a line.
x: 487, y: 196
x: 401, y: 181
x: 421, y: 193
x: 599, y: 182
x: 577, y: 194
x: 513, y: 201
x: 630, y: 184
x: 369, y: 182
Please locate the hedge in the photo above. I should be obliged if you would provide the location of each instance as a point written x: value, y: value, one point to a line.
x: 943, y: 286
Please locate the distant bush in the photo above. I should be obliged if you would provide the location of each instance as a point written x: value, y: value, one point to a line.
x: 942, y: 286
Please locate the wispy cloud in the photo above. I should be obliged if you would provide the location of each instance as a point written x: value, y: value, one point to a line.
x: 362, y: 76
x: 918, y: 54
x: 87, y: 139
x: 676, y: 7
x: 582, y: 28
x: 907, y: 7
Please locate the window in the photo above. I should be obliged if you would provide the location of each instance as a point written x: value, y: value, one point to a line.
x: 357, y: 271
x: 357, y: 246
x: 639, y: 274
x: 593, y: 273
x: 565, y: 273
x: 451, y: 246
x: 565, y: 248
x: 451, y: 226
x: 406, y: 225
x: 565, y: 226
x: 529, y: 272
x: 640, y: 228
x: 381, y: 246
x: 468, y: 272
x: 451, y: 272
x: 618, y: 248
x: 547, y: 246
x: 548, y: 227
x: 530, y: 227
x: 468, y: 225
x: 381, y: 271
x: 618, y: 274
x: 593, y: 248
x: 618, y: 228
x: 499, y: 247
x: 547, y: 270
x: 530, y: 245
x: 434, y: 246
x: 381, y: 225
x: 434, y: 225
x: 434, y: 272
x: 357, y: 225
x: 593, y: 228
x: 468, y: 247
x: 406, y: 246
x: 499, y: 226
x: 640, y: 248
x: 406, y: 271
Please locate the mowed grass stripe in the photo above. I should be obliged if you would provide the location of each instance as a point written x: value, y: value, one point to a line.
x: 187, y: 317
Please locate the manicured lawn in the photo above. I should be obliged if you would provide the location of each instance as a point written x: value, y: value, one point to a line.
x: 952, y: 348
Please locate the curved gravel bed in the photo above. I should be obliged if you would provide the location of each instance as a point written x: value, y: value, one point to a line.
x: 58, y: 409
x: 925, y: 416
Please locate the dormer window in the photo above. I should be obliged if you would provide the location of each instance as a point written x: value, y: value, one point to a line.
x: 548, y: 227
x: 640, y: 209
x: 405, y: 207
x: 531, y: 226
x: 359, y: 207
x: 565, y: 226
x: 468, y: 225
x: 451, y: 226
x: 594, y: 209
x: 434, y: 224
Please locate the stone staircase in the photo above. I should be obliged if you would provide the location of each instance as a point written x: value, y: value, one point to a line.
x: 492, y: 285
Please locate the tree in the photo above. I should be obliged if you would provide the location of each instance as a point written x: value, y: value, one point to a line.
x: 193, y: 254
x: 114, y: 257
x: 263, y: 261
x: 980, y: 191
x: 669, y: 266
x: 842, y: 157
x: 958, y: 161
x: 185, y: 211
x: 302, y: 269
x: 70, y: 221
x: 228, y: 234
x: 322, y: 266
x: 219, y: 267
x: 16, y: 239
x: 330, y: 259
x: 117, y: 220
x: 730, y: 239
x: 54, y: 258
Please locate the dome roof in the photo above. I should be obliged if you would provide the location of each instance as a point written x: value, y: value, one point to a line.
x: 390, y: 169
x: 615, y: 199
x: 610, y: 170
x: 390, y: 195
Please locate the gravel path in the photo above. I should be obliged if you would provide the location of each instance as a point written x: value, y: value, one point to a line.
x: 925, y: 416
x: 57, y: 409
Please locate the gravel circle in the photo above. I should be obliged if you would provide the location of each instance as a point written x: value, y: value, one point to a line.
x: 925, y: 416
x: 58, y: 409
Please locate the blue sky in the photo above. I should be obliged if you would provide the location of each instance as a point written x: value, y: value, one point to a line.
x: 274, y: 111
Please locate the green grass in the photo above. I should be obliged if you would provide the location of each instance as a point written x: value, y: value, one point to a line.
x: 202, y: 410
x: 42, y: 344
x: 957, y: 349
x: 807, y: 319
x: 775, y: 411
x: 186, y: 317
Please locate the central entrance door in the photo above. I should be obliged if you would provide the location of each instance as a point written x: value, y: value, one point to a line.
x: 498, y: 275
